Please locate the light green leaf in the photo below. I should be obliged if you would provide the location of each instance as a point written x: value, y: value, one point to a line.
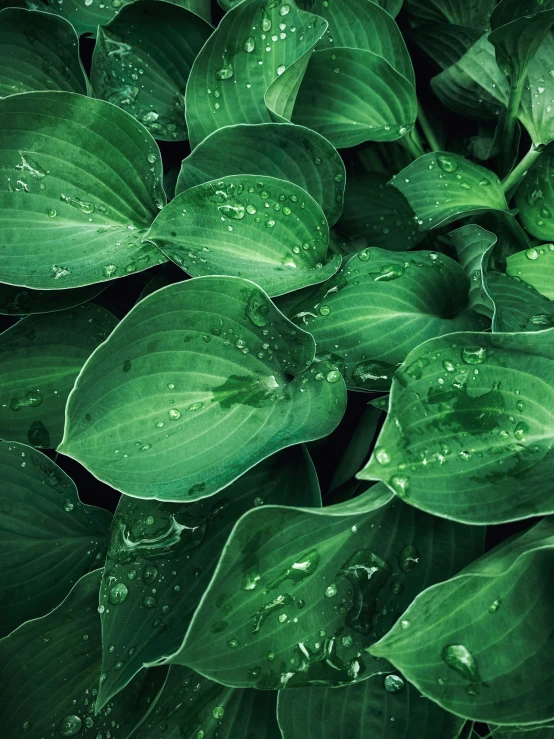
x: 162, y: 556
x: 442, y: 187
x: 535, y: 199
x: 470, y: 427
x: 536, y: 267
x: 20, y: 301
x: 312, y: 614
x: 445, y: 43
x: 228, y: 84
x: 471, y: 13
x: 191, y: 706
x: 50, y: 672
x: 380, y: 306
x: 517, y: 305
x: 39, y: 504
x: 451, y: 642
x: 472, y: 243
x: 158, y: 41
x: 83, y: 183
x: 268, y: 231
x: 40, y: 357
x: 379, y: 213
x: 281, y: 150
x: 198, y: 383
x: 38, y: 51
x: 364, y: 710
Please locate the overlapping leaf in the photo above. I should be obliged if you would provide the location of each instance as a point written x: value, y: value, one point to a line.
x: 535, y: 197
x: 472, y: 243
x: 445, y: 43
x: 18, y: 301
x: 268, y: 231
x: 198, y: 383
x: 470, y: 13
x: 40, y: 357
x: 49, y: 538
x: 517, y: 305
x: 82, y: 184
x: 469, y: 433
x: 536, y: 267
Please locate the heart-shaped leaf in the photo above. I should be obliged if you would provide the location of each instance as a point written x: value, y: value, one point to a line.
x: 158, y: 41
x: 50, y: 672
x: 83, y: 183
x: 162, y: 556
x: 38, y: 51
x: 39, y: 505
x: 380, y: 306
x: 291, y: 604
x: 20, y: 301
x: 198, y: 383
x: 536, y: 267
x: 472, y: 243
x: 470, y: 428
x: 441, y: 187
x: 40, y: 357
x: 451, y: 642
x: 471, y: 13
x: 268, y: 231
x: 535, y: 198
x: 281, y: 150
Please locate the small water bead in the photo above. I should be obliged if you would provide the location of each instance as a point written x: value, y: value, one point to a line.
x: 149, y: 602
x: 68, y: 506
x: 400, y: 485
x: 174, y: 414
x: 382, y: 456
x: 532, y: 254
x: 149, y: 574
x: 409, y: 558
x: 461, y: 660
x: 495, y: 605
x: 447, y: 164
x: 152, y: 158
x: 347, y: 641
x: 331, y: 591
x: 70, y: 726
x: 474, y: 354
x: 521, y: 430
x: 249, y: 45
x: 118, y: 593
x: 233, y: 643
x: 225, y: 72
x: 282, y: 618
x: 324, y: 310
x: 284, y: 10
x: 333, y: 376
x: 404, y: 624
x: 218, y: 712
x: 464, y: 455
x: 394, y: 684
x: 52, y: 213
x: 520, y: 405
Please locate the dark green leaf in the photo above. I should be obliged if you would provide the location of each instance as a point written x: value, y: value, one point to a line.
x: 20, y: 301
x: 445, y: 43
x: 535, y: 199
x: 472, y: 13
x: 536, y: 267
x: 517, y: 305
x: 358, y: 448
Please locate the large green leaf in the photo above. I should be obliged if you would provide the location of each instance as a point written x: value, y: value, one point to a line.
x: 441, y: 187
x: 380, y: 306
x: 298, y: 596
x: 38, y: 51
x: 470, y: 428
x: 535, y: 198
x: 156, y: 42
x: 50, y: 673
x: 198, y: 383
x: 517, y: 305
x: 379, y: 213
x: 48, y: 537
x: 150, y: 540
x: 445, y: 43
x: 472, y: 243
x: 228, y: 81
x: 268, y: 231
x: 452, y: 641
x: 536, y: 267
x: 383, y: 707
x: 471, y: 13
x: 20, y: 301
x: 83, y: 183
x: 281, y: 150
x: 40, y: 357
x: 191, y: 706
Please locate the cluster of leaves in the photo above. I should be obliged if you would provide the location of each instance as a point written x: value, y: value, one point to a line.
x: 191, y: 337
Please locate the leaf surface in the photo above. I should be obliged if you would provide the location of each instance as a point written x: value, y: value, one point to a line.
x: 18, y: 301
x: 471, y: 13
x: 536, y: 267
x: 472, y: 243
x: 535, y: 199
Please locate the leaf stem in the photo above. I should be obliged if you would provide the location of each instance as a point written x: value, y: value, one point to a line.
x: 518, y: 232
x: 509, y: 121
x: 519, y: 171
x: 412, y: 144
x: 427, y: 129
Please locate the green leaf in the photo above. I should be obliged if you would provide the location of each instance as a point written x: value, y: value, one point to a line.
x: 18, y: 301
x: 535, y: 198
x: 379, y: 213
x: 366, y: 709
x: 191, y: 706
x: 83, y: 183
x: 50, y: 672
x: 472, y: 243
x: 39, y: 505
x: 380, y: 306
x: 311, y: 615
x: 471, y: 13
x: 470, y: 427
x: 517, y: 305
x: 445, y: 43
x: 38, y: 51
x: 150, y: 540
x: 268, y: 231
x: 159, y: 41
x: 442, y: 187
x: 205, y: 378
x: 280, y: 150
x: 40, y: 357
x: 536, y: 267
x: 358, y: 448
x: 228, y: 82
x: 451, y: 642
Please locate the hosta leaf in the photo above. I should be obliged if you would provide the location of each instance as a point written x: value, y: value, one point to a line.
x: 472, y: 13
x: 445, y: 43
x: 280, y: 150
x: 472, y: 243
x: 162, y: 556
x: 157, y: 41
x: 536, y: 267
x: 50, y: 672
x: 383, y: 707
x: 228, y: 83
x: 83, y: 183
x: 198, y: 383
x: 40, y: 506
x: 451, y: 642
x: 310, y: 616
x: 470, y: 427
x: 379, y: 213
x: 380, y: 306
x: 357, y: 451
x: 20, y: 301
x: 517, y: 305
x: 441, y: 187
x: 40, y: 357
x: 268, y: 231
x: 191, y: 706
x: 535, y: 198
x: 38, y: 51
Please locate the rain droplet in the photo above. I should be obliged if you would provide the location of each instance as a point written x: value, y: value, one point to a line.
x: 447, y: 164
x: 70, y: 726
x: 174, y: 414
x: 474, y: 354
x: 394, y: 684
x: 118, y: 593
